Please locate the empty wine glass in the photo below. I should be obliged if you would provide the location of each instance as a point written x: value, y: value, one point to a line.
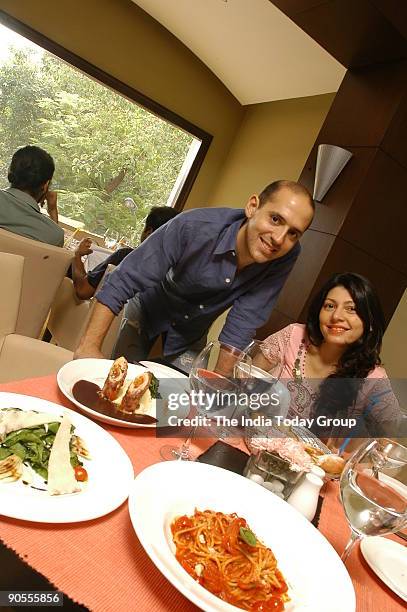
x: 214, y: 391
x: 264, y: 365
x: 374, y: 490
x: 111, y: 238
x: 266, y: 396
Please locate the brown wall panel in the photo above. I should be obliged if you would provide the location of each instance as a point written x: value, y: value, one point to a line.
x: 378, y: 216
x: 395, y: 12
x: 293, y: 7
x: 315, y: 249
x: 365, y: 105
x: 394, y: 142
x: 355, y: 32
x: 332, y: 212
x: 344, y: 257
x: 277, y: 321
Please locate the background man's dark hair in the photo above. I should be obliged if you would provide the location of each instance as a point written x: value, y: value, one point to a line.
x: 159, y: 215
x: 268, y: 192
x: 30, y: 168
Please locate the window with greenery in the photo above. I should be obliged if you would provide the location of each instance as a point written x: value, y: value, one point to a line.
x: 114, y: 159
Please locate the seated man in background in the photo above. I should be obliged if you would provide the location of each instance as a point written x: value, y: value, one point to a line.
x: 30, y: 174
x: 196, y: 266
x: 85, y: 284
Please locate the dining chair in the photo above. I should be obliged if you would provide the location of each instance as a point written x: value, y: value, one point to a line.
x: 44, y: 269
x: 69, y: 317
x: 22, y: 356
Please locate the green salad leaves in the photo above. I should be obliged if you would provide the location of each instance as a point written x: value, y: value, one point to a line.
x: 33, y: 445
x: 154, y: 387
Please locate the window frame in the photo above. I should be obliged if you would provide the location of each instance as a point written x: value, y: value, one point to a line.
x: 125, y: 90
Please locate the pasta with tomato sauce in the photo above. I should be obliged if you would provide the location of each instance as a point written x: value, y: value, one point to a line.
x: 221, y: 553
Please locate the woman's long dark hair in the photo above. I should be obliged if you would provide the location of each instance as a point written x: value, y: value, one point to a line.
x: 362, y: 356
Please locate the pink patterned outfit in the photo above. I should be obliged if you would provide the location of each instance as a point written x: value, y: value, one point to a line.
x: 290, y: 345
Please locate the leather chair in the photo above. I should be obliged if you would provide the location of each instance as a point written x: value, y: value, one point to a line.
x: 44, y: 269
x: 22, y: 356
x: 69, y: 317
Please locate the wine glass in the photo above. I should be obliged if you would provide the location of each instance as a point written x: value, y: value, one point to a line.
x: 374, y: 490
x: 215, y: 385
x: 266, y: 396
x: 111, y: 238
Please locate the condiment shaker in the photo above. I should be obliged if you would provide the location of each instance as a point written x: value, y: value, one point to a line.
x: 305, y: 497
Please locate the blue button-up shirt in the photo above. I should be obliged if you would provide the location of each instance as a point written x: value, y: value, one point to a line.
x: 185, y: 275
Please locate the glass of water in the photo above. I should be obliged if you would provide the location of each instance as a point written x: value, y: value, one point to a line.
x: 374, y: 490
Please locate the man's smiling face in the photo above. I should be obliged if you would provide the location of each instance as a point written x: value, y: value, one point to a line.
x: 272, y: 229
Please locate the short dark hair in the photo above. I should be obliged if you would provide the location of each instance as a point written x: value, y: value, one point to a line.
x: 159, y: 215
x: 362, y: 356
x: 269, y: 191
x: 30, y: 168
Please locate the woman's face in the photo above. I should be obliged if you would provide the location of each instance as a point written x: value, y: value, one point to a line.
x: 338, y: 320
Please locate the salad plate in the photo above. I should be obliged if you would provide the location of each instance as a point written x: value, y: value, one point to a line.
x: 170, y: 383
x: 109, y: 473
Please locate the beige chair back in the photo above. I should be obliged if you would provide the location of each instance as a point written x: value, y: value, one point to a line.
x: 20, y: 356
x: 69, y: 317
x: 44, y: 269
x: 11, y: 274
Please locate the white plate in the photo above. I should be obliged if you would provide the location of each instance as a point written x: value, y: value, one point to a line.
x: 110, y: 474
x: 388, y: 559
x: 398, y: 486
x: 318, y: 580
x: 96, y: 370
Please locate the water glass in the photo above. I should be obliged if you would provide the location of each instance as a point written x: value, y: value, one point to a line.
x: 374, y: 490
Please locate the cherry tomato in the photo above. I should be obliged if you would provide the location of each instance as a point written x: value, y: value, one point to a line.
x: 81, y: 474
x: 187, y: 565
x: 283, y: 588
x: 247, y: 586
x: 270, y: 605
x: 182, y: 522
x: 211, y: 578
x: 230, y: 538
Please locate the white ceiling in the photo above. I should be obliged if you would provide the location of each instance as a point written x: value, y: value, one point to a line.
x: 253, y: 48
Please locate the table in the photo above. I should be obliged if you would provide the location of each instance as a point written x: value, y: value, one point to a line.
x: 101, y: 564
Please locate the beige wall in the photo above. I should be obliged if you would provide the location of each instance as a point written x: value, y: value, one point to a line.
x: 273, y: 142
x: 395, y: 342
x: 118, y: 37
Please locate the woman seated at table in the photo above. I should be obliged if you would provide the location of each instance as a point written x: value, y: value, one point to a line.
x: 331, y: 365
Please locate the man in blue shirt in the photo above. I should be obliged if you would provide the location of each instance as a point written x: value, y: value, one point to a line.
x: 199, y: 264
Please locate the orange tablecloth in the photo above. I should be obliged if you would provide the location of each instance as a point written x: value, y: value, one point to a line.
x: 101, y: 563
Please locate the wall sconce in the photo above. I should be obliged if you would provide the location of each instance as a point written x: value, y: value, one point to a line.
x: 331, y: 160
